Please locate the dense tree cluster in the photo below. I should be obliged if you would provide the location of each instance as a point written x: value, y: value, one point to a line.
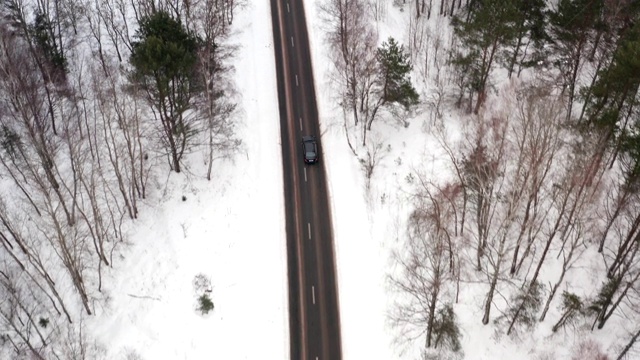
x: 373, y: 82
x: 87, y: 113
x: 546, y: 169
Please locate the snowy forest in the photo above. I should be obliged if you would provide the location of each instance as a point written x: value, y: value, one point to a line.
x: 95, y: 98
x: 532, y: 105
x: 538, y: 210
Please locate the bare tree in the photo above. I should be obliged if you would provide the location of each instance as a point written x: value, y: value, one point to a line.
x: 623, y: 273
x: 620, y: 194
x: 218, y: 105
x: 536, y: 133
x: 375, y: 153
x: 58, y: 174
x: 482, y: 166
x: 455, y: 162
x: 425, y: 266
x: 504, y: 169
x: 481, y: 172
x: 428, y: 55
x: 628, y: 225
x: 378, y: 9
x: 18, y: 316
x: 629, y: 346
x: 112, y: 17
x: 123, y: 138
x: 571, y: 196
x: 352, y: 42
x: 24, y: 250
x: 74, y: 344
x: 570, y: 253
x: 27, y: 107
x: 49, y: 62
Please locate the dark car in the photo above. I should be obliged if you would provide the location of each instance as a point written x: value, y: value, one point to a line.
x: 310, y: 149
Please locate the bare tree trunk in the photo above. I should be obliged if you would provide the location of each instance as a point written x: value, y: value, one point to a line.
x: 621, y: 202
x: 33, y: 258
x: 71, y: 259
x: 523, y: 228
x: 487, y: 65
x: 488, y: 303
x: 567, y: 263
x: 625, y: 248
x: 423, y: 272
x: 516, y: 51
x: 629, y: 345
x: 12, y: 316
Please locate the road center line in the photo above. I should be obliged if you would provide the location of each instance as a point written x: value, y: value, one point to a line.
x: 305, y: 174
x: 288, y: 8
x: 309, y: 230
x: 297, y: 81
x: 292, y: 42
x: 300, y: 124
x: 313, y: 294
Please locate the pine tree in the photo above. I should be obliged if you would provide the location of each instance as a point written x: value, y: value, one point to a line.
x: 392, y: 81
x: 164, y: 57
x: 10, y: 141
x: 572, y: 306
x: 527, y: 303
x: 489, y: 26
x: 529, y: 30
x: 571, y: 25
x: 395, y: 79
x: 42, y: 33
x: 603, y: 300
x: 614, y: 101
x: 205, y: 304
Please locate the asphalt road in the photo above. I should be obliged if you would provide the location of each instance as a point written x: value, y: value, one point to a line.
x: 314, y: 319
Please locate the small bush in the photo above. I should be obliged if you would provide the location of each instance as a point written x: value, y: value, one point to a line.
x: 43, y: 322
x: 131, y: 354
x: 201, y: 284
x: 205, y: 304
x: 588, y: 350
x: 9, y: 140
x: 445, y: 329
x: 572, y: 308
x: 546, y: 355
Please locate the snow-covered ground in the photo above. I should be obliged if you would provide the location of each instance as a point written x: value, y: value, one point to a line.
x: 231, y: 229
